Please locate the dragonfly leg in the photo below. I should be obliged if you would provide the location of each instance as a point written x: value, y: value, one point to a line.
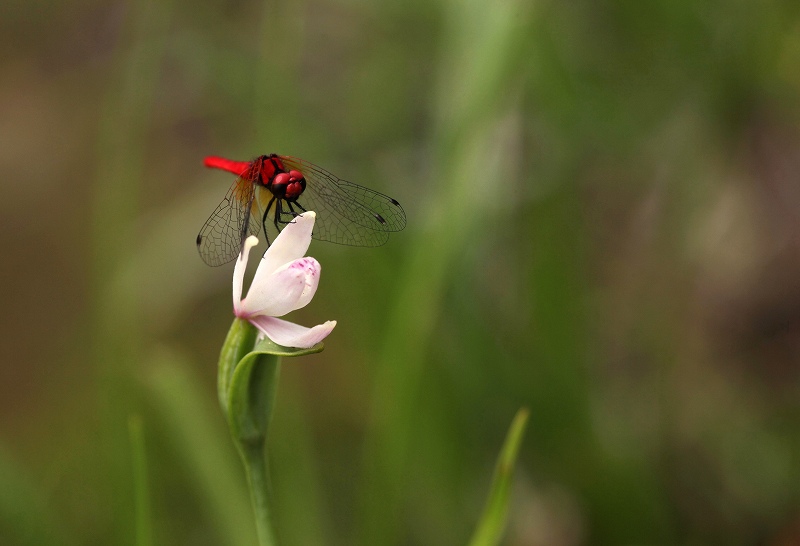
x: 293, y: 212
x: 278, y: 214
x: 264, y: 218
x: 290, y: 213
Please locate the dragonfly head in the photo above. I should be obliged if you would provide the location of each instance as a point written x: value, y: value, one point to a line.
x: 288, y: 185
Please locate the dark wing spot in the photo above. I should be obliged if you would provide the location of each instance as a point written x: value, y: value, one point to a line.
x: 380, y: 219
x: 394, y: 202
x: 199, y: 238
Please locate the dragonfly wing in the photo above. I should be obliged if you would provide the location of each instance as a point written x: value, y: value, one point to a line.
x: 348, y: 214
x: 221, y: 237
x: 334, y: 221
x: 393, y: 215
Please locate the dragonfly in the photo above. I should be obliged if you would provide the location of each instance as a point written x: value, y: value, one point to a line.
x: 271, y: 190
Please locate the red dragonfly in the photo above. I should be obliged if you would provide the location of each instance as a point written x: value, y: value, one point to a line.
x: 347, y: 214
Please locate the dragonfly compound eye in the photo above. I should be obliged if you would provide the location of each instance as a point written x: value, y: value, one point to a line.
x: 297, y: 183
x: 280, y: 181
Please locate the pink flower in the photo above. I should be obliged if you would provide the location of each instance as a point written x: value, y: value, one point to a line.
x: 285, y: 280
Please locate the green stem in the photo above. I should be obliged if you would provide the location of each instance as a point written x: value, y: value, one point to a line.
x: 255, y: 463
x: 248, y: 383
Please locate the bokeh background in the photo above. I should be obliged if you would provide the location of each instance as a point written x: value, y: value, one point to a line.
x: 604, y: 227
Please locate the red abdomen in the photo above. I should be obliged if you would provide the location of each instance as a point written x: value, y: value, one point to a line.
x: 266, y: 166
x: 236, y: 167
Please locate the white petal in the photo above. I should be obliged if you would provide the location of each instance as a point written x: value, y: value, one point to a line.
x: 290, y: 244
x: 290, y: 334
x: 238, y: 273
x: 283, y: 291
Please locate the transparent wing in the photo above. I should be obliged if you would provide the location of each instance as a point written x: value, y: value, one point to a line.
x: 221, y: 237
x: 347, y: 213
x: 329, y: 226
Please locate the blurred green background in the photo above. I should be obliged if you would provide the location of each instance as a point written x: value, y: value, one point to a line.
x: 604, y: 226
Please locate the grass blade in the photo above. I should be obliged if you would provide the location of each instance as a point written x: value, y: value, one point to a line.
x: 493, y: 521
x: 141, y: 488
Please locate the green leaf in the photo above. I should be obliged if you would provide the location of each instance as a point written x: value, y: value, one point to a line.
x: 240, y: 341
x: 252, y: 387
x: 492, y: 523
x: 251, y: 397
x: 267, y: 346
